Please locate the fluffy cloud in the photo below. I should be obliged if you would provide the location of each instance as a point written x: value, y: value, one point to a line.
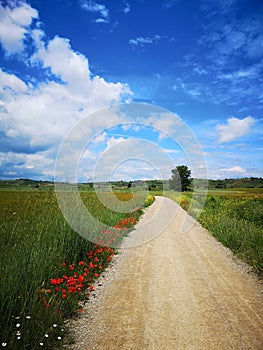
x: 71, y: 67
x: 45, y: 114
x: 92, y: 6
x: 10, y: 81
x: 13, y: 164
x: 234, y: 128
x: 35, y: 117
x: 234, y: 169
x: 114, y: 141
x: 14, y: 23
x: 166, y: 125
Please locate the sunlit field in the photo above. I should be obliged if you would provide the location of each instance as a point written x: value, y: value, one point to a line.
x: 46, y: 267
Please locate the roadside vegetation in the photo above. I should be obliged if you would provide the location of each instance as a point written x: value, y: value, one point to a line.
x: 236, y: 221
x: 46, y: 267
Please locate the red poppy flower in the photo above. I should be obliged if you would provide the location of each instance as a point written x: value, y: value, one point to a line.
x: 81, y: 278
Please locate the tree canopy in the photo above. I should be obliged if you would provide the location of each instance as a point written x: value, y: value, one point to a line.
x: 181, y: 178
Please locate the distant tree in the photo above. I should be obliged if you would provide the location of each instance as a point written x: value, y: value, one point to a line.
x: 181, y: 178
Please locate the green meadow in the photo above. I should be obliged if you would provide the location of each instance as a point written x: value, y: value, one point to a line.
x: 46, y: 267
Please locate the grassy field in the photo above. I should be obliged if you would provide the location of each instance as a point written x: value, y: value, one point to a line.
x: 46, y: 267
x: 234, y: 217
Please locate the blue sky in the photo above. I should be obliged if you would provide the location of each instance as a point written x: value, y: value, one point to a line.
x: 61, y: 61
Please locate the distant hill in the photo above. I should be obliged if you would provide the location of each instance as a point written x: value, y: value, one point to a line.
x: 247, y: 182
x: 24, y: 183
x: 155, y: 185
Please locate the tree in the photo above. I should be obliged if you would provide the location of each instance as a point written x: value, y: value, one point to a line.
x: 181, y: 178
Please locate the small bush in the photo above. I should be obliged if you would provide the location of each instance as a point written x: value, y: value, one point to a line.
x: 149, y: 201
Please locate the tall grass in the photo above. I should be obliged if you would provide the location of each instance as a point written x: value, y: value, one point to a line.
x: 237, y: 223
x: 35, y: 240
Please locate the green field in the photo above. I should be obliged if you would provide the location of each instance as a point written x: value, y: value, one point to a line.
x: 46, y: 267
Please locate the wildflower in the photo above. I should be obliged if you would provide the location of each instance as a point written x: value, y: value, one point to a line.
x: 91, y: 265
x: 81, y: 278
x: 63, y: 264
x: 59, y: 338
x: 28, y: 317
x: 91, y: 287
x: 56, y: 280
x: 64, y: 295
x: 46, y: 335
x: 18, y: 325
x: 81, y: 263
x: 41, y: 344
x: 71, y: 289
x: 54, y: 325
x: 4, y: 345
x: 71, y: 281
x: 71, y: 267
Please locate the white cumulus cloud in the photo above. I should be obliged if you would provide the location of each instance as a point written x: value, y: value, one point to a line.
x: 234, y: 169
x: 14, y: 23
x: 11, y: 81
x: 234, y: 128
x: 36, y: 115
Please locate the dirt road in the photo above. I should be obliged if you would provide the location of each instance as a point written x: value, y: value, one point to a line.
x: 178, y: 291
